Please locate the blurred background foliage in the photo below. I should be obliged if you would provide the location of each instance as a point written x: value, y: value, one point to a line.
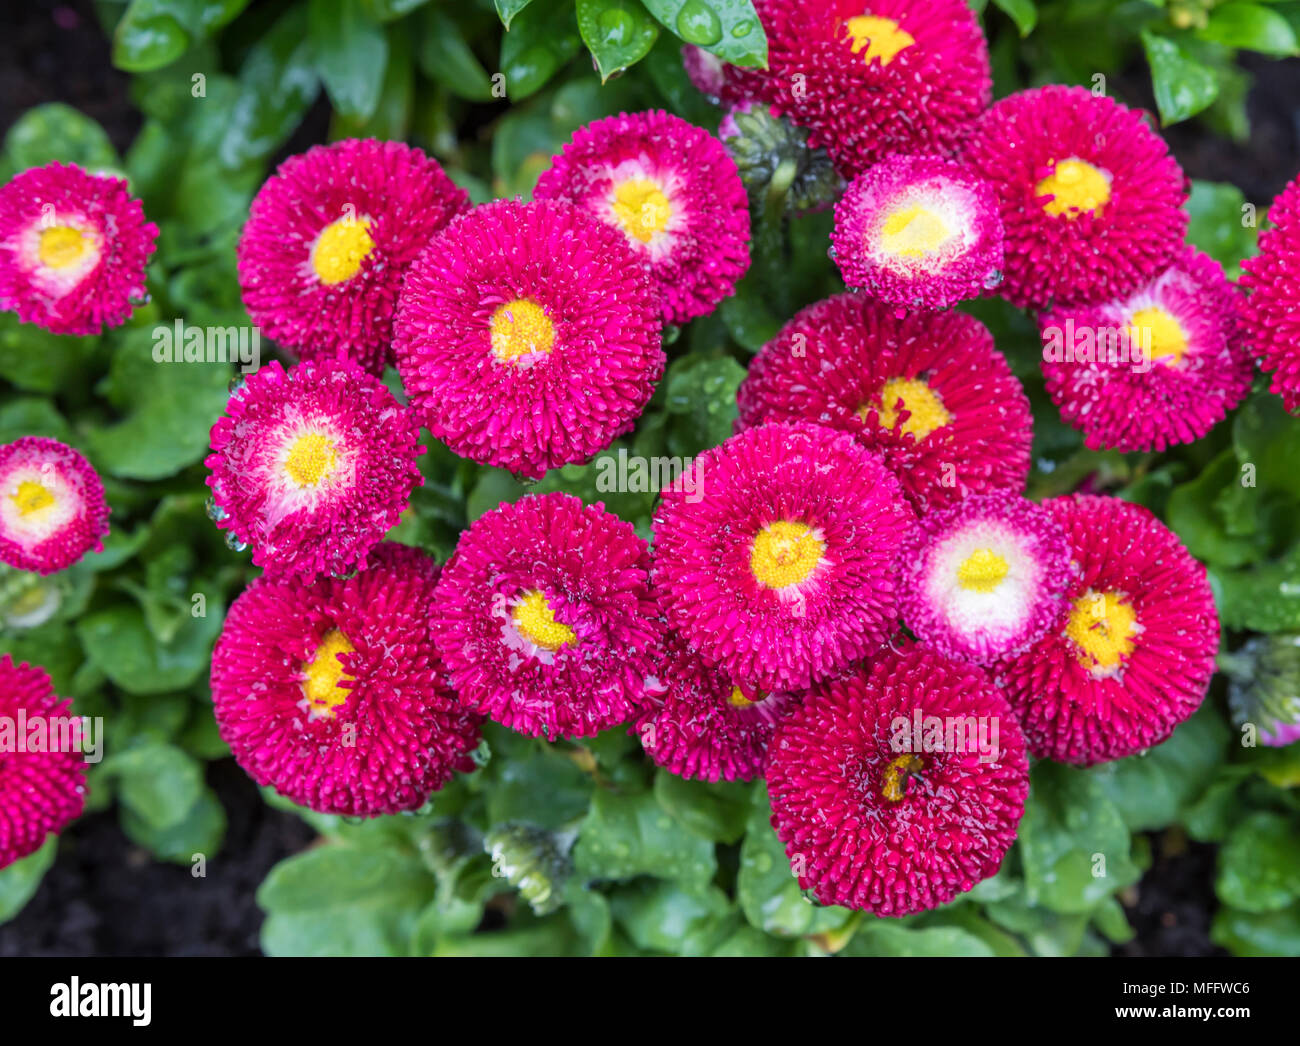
x: 583, y: 847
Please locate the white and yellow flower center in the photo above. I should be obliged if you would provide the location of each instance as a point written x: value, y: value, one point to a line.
x: 982, y: 571
x: 737, y: 698
x: 898, y: 776
x: 324, y: 673
x: 341, y: 249
x: 925, y: 409
x: 535, y: 620
x: 310, y: 460
x: 1102, y: 626
x: 1158, y: 327
x: 62, y: 246
x: 520, y: 328
x: 1075, y: 186
x: 641, y: 208
x: 33, y: 499
x: 875, y: 37
x: 785, y: 553
x: 914, y: 231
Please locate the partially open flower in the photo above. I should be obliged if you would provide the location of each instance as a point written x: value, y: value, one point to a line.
x: 528, y: 336
x: 52, y: 508
x: 907, y: 76
x: 899, y: 786
x: 671, y: 189
x: 329, y: 239
x: 1159, y: 367
x: 1264, y: 686
x: 1133, y: 655
x: 779, y: 564
x: 919, y: 231
x: 1091, y: 199
x: 73, y: 249
x: 42, y: 770
x: 312, y: 466
x: 1272, y: 312
x: 545, y: 619
x: 984, y: 578
x: 332, y: 693
x: 926, y: 391
x: 702, y: 725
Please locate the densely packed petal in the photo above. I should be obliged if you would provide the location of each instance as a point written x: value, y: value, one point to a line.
x: 52, y: 507
x: 1272, y: 311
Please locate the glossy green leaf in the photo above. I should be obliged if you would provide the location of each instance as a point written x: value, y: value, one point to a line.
x: 624, y: 836
x: 1182, y: 85
x: 728, y: 28
x: 148, y: 37
x: 351, y: 54
x: 1251, y: 26
x: 619, y: 33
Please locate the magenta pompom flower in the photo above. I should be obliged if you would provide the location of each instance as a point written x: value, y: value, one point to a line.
x: 927, y: 391
x: 528, y: 336
x: 985, y: 577
x: 42, y: 771
x: 671, y: 189
x: 1272, y: 311
x: 905, y: 76
x: 919, y: 231
x: 1091, y: 199
x: 1133, y: 655
x: 73, y: 249
x: 329, y: 238
x: 702, y: 725
x: 1159, y: 367
x: 778, y: 564
x: 312, y: 466
x: 545, y: 617
x: 52, y: 508
x: 899, y: 786
x: 332, y: 693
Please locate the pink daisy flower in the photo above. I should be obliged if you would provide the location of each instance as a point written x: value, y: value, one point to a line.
x: 1272, y: 311
x: 41, y: 791
x: 671, y: 189
x: 312, y: 466
x: 332, y: 692
x: 919, y: 231
x: 702, y: 725
x: 721, y: 82
x: 926, y: 391
x: 329, y: 238
x: 903, y: 76
x: 777, y: 562
x: 52, y: 508
x: 1091, y: 199
x: 545, y: 618
x: 900, y: 786
x: 528, y: 336
x: 1133, y: 656
x: 73, y: 249
x: 1158, y: 367
x: 985, y: 577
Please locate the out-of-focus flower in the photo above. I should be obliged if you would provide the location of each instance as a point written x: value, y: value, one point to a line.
x: 1272, y: 311
x: 52, y: 508
x: 1264, y: 686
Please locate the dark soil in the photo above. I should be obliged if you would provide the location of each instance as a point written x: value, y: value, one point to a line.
x: 1171, y: 908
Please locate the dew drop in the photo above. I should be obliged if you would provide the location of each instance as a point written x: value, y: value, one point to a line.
x: 698, y: 24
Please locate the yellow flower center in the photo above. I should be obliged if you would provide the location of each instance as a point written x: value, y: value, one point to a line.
x: 520, y: 328
x: 341, y: 248
x: 641, y: 208
x: 898, y: 774
x: 535, y: 620
x: 62, y: 246
x: 1075, y: 186
x: 737, y: 698
x: 1166, y: 334
x: 31, y: 497
x: 323, y: 673
x: 925, y: 409
x: 785, y: 553
x: 913, y: 232
x: 1102, y: 627
x: 881, y: 38
x: 310, y: 459
x: 982, y: 571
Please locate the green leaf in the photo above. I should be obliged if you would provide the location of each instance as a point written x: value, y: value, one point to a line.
x: 700, y: 391
x: 1262, y: 599
x: 38, y: 361
x: 1258, y: 934
x: 716, y: 812
x: 32, y: 416
x: 391, y: 10
x: 148, y: 37
x: 537, y: 45
x: 729, y: 29
x: 55, y: 131
x: 351, y: 54
x: 625, y: 836
x: 1252, y: 26
x: 20, y: 880
x: 1193, y: 514
x: 1259, y: 865
x: 545, y: 790
x: 1023, y: 12
x: 883, y: 938
x: 672, y: 918
x: 117, y: 641
x: 1183, y: 87
x: 1217, y: 225
x: 339, y: 901
x: 618, y: 32
x: 157, y: 782
x: 507, y: 9
x: 447, y: 59
x: 199, y: 831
